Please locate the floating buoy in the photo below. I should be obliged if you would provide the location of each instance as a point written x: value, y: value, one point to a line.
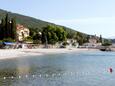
x: 4, y: 77
x: 12, y: 77
x: 110, y: 70
x: 19, y: 77
x: 26, y: 76
x: 33, y: 76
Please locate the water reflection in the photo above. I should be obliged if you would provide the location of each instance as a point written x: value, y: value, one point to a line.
x: 23, y: 67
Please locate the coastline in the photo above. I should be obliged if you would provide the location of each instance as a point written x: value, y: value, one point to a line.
x: 20, y: 53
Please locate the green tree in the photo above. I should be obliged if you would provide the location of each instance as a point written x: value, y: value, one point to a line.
x: 61, y: 34
x: 107, y: 43
x: 8, y: 40
x: 53, y: 38
x: 33, y: 32
x: 88, y: 36
x: 100, y: 38
x: 29, y: 38
x: 2, y: 29
x: 78, y: 36
x: 52, y: 34
x: 6, y: 27
x: 13, y: 26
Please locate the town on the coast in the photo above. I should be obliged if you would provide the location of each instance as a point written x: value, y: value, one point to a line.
x: 14, y: 35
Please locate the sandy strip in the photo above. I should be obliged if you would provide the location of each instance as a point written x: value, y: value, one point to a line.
x: 18, y: 53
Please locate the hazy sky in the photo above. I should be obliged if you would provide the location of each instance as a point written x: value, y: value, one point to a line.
x: 89, y: 16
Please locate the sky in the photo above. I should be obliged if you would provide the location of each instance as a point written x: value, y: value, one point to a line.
x: 88, y: 16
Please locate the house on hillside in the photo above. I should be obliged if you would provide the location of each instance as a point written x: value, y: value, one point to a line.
x: 93, y: 42
x: 70, y: 43
x: 22, y: 32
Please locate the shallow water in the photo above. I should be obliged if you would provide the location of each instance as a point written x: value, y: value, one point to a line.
x: 72, y: 69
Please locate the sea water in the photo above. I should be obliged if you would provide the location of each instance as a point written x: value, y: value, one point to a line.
x: 90, y: 68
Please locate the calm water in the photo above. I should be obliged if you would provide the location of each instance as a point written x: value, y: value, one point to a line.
x: 75, y: 69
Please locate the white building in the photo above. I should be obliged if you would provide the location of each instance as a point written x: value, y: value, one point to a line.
x: 71, y: 42
x: 22, y: 32
x: 93, y: 43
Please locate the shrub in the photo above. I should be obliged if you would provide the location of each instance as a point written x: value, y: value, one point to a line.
x: 8, y: 40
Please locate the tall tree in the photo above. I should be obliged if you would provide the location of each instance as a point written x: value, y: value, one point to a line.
x: 80, y: 38
x: 100, y: 38
x: 3, y: 31
x: 61, y: 33
x: 13, y: 26
x: 6, y: 26
x: 52, y: 34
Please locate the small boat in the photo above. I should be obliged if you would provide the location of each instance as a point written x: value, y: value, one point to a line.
x: 105, y: 49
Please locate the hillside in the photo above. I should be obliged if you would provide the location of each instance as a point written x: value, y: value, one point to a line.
x: 38, y: 24
x: 28, y: 21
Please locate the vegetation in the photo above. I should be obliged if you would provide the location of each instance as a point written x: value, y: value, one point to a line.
x: 50, y: 33
x: 107, y: 43
x: 73, y: 44
x: 8, y: 40
x: 81, y: 38
x: 100, y: 38
x: 29, y: 38
x: 8, y: 28
x: 65, y: 43
x: 53, y: 34
x: 34, y: 24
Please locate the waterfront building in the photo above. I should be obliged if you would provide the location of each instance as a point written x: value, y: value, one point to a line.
x: 22, y: 32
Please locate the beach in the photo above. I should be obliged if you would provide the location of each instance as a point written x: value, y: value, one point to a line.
x: 20, y: 53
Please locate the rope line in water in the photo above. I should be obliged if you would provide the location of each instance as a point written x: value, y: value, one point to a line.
x: 54, y: 75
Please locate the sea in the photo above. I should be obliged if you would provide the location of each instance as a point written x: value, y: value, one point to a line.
x: 85, y: 68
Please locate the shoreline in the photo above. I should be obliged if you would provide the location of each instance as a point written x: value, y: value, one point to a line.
x: 20, y: 53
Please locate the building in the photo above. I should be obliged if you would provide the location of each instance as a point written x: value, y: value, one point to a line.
x: 71, y: 43
x: 93, y: 40
x: 22, y: 32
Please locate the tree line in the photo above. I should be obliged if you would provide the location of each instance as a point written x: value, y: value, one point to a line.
x: 52, y: 34
x: 8, y: 28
